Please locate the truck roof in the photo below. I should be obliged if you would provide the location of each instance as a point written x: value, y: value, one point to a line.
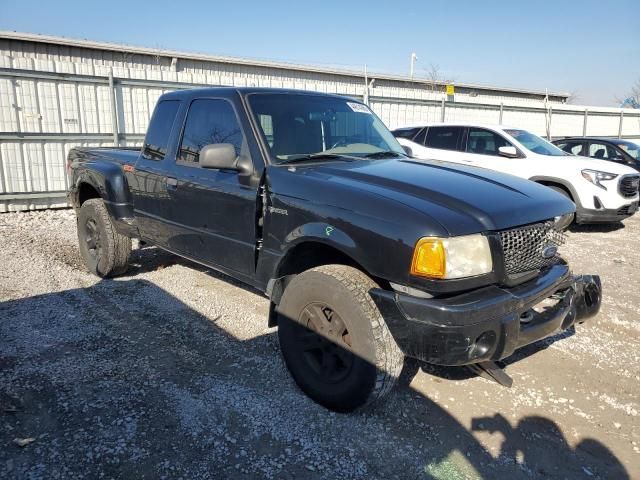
x: 199, y: 92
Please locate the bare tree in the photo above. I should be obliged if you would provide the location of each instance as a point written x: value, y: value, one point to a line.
x: 574, y: 97
x: 635, y: 91
x: 632, y: 99
x: 436, y: 80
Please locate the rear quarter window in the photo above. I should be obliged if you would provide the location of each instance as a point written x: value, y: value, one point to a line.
x: 162, y: 120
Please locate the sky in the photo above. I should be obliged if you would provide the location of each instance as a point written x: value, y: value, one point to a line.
x: 590, y: 49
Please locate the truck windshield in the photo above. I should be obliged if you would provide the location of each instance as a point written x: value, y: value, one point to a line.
x: 535, y: 143
x: 308, y: 126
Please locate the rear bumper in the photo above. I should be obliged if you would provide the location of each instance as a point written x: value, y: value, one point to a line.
x: 486, y: 324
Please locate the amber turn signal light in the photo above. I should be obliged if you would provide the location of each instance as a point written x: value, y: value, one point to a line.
x: 429, y: 258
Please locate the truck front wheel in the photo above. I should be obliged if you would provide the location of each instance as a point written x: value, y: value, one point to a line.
x: 105, y: 252
x: 334, y: 339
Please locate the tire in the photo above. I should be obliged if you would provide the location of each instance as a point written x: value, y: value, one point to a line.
x: 361, y: 362
x: 105, y: 252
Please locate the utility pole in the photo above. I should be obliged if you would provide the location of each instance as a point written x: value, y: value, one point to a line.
x: 414, y: 58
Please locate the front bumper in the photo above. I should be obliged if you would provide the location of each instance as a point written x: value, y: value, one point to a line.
x: 606, y: 215
x: 488, y: 324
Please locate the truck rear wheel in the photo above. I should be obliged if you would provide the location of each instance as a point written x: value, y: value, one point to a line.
x: 105, y: 252
x: 334, y: 340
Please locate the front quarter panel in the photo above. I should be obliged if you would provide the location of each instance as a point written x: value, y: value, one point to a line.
x: 378, y: 234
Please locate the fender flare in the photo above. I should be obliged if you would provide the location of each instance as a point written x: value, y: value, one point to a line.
x: 321, y: 233
x: 109, y: 181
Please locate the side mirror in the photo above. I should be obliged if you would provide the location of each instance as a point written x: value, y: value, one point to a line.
x: 219, y: 155
x: 407, y: 150
x: 509, y: 152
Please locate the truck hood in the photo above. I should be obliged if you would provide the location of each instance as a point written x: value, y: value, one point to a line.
x: 461, y: 199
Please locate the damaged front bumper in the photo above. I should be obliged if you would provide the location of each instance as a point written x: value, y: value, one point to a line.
x: 489, y: 323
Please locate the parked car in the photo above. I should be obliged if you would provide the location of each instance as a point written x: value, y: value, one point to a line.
x: 365, y: 254
x: 602, y: 191
x: 612, y: 149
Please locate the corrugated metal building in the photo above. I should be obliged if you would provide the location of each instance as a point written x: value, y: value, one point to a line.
x: 57, y: 93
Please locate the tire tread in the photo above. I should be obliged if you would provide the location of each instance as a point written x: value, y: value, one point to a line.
x: 118, y: 245
x: 389, y: 357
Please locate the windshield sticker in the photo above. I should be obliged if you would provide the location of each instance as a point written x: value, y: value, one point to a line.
x: 359, y: 108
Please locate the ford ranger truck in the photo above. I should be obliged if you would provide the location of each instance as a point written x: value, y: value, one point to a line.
x: 367, y: 255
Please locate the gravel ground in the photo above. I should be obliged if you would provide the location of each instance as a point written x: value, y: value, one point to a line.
x: 171, y: 372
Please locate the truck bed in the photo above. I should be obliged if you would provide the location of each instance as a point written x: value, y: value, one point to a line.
x: 120, y: 155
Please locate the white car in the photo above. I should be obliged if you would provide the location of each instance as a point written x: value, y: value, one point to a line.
x: 602, y: 191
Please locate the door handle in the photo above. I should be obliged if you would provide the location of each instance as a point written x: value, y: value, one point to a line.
x: 172, y: 183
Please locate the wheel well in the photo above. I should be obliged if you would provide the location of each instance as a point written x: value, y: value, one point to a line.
x: 548, y: 183
x: 86, y: 192
x: 303, y: 257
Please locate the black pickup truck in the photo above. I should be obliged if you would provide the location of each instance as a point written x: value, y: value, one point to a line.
x: 366, y: 254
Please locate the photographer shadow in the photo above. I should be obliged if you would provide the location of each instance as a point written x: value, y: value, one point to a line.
x: 539, y: 447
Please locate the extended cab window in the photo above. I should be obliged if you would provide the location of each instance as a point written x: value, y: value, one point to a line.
x: 444, y: 138
x: 155, y: 143
x: 209, y: 121
x: 485, y: 142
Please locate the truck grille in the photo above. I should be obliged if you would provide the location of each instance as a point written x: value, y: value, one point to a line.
x: 629, y: 186
x: 528, y: 248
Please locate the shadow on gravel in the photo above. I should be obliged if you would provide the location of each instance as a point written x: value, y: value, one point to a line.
x: 149, y: 258
x: 123, y: 380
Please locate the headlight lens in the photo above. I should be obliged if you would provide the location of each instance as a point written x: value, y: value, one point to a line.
x: 455, y: 257
x: 561, y: 222
x: 595, y: 177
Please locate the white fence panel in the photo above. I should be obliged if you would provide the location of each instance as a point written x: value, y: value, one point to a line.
x: 533, y: 121
x: 44, y: 114
x: 566, y: 124
x: 458, y: 113
x: 8, y: 121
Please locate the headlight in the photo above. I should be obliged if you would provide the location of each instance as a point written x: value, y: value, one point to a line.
x: 455, y: 257
x: 595, y: 177
x: 561, y: 222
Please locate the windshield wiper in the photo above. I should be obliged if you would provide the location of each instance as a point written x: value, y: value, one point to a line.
x: 384, y: 154
x: 317, y: 156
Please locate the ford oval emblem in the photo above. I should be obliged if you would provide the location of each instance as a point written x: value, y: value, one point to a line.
x: 549, y: 251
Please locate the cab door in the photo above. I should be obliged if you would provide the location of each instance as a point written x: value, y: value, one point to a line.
x: 213, y: 212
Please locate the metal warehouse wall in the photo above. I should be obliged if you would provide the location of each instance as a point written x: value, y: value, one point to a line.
x: 55, y: 95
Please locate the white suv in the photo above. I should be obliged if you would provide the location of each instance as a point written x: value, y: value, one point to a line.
x: 602, y: 191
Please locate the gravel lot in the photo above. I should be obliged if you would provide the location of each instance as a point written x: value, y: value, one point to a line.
x: 171, y: 372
